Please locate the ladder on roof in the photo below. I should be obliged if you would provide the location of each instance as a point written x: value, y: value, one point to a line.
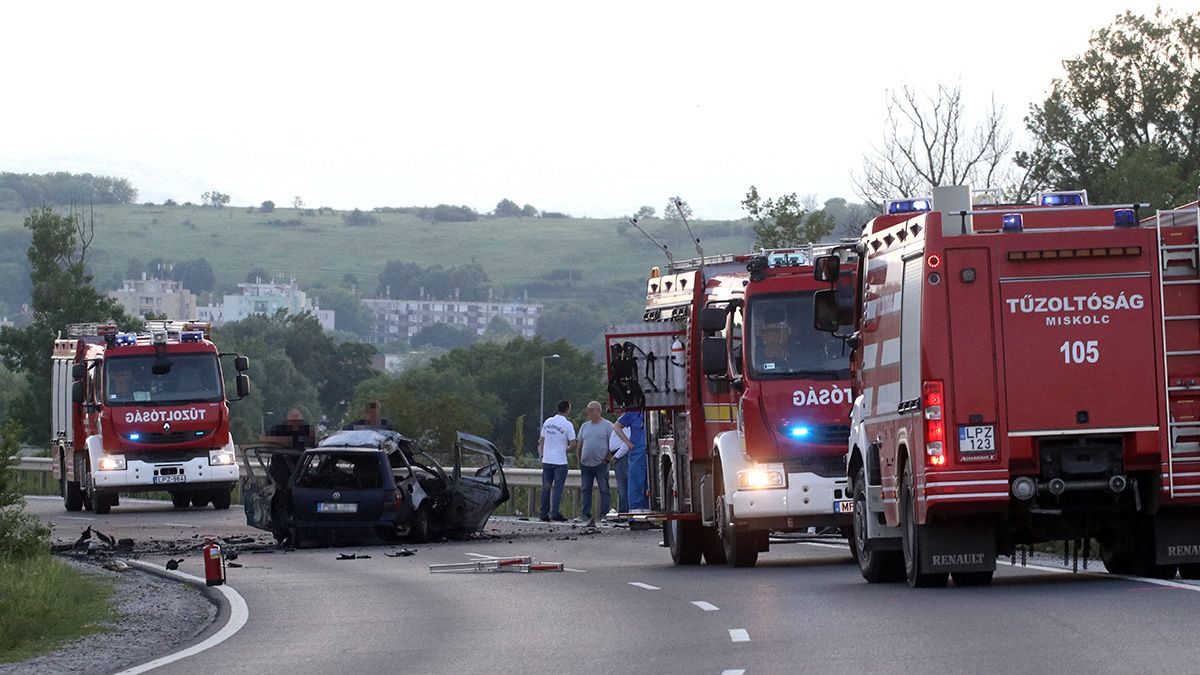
x: 1178, y: 234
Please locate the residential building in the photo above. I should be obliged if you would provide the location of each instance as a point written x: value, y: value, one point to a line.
x: 402, y: 319
x: 265, y: 299
x: 167, y: 297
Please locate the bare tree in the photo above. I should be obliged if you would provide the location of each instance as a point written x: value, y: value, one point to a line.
x: 928, y: 142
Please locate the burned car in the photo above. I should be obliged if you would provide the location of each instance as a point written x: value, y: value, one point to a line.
x: 365, y: 484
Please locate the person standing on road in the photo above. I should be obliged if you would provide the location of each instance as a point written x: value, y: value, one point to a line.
x: 630, y: 428
x: 593, y: 462
x: 557, y: 437
x: 620, y: 453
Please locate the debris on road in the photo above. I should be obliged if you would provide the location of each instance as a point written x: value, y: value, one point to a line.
x: 173, y: 563
x: 353, y: 556
x: 115, y: 565
x: 523, y: 564
x: 402, y: 553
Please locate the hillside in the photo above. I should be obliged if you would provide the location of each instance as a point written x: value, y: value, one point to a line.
x: 610, y: 258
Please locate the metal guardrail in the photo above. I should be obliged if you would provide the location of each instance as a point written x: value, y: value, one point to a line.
x: 34, y: 464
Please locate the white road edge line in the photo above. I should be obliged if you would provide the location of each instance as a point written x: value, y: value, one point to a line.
x: 180, y: 525
x: 739, y: 671
x: 572, y: 569
x: 706, y: 606
x: 1145, y: 580
x: 840, y: 547
x: 645, y: 586
x: 239, y: 614
x: 482, y: 556
x: 739, y: 635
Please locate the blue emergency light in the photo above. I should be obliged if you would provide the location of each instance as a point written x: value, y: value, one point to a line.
x: 908, y: 206
x: 191, y: 336
x: 1012, y: 222
x: 125, y: 339
x: 1062, y: 199
x: 1124, y: 218
x: 135, y: 437
x: 799, y: 431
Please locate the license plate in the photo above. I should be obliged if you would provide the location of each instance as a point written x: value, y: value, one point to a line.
x: 843, y: 506
x: 167, y: 480
x: 336, y: 507
x: 977, y: 439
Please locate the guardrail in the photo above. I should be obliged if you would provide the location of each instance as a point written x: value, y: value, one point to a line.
x: 524, y: 484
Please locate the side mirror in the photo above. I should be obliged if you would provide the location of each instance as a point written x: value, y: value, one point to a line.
x: 712, y: 319
x: 827, y: 268
x: 714, y: 356
x: 825, y: 311
x: 77, y: 392
x: 79, y: 370
x: 241, y: 364
x: 243, y: 385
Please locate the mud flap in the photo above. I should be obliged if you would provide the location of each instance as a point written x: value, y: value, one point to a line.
x: 1177, y: 537
x: 957, y: 546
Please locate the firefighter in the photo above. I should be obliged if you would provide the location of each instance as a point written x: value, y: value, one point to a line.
x: 771, y: 338
x: 630, y: 427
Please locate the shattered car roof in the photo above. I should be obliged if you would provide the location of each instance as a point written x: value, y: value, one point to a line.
x: 363, y: 438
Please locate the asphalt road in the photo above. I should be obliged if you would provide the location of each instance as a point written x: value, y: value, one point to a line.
x: 625, y: 608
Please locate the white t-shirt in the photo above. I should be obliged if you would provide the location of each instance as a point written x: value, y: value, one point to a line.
x: 557, y: 432
x: 617, y: 446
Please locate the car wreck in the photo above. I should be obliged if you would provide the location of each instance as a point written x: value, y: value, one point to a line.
x: 370, y: 484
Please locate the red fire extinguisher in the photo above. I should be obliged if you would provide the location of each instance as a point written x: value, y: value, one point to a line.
x: 214, y: 563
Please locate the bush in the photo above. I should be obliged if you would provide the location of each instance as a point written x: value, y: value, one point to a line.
x: 267, y: 206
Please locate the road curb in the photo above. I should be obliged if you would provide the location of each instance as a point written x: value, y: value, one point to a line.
x: 232, y: 615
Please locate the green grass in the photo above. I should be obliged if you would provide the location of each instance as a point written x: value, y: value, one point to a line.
x: 514, y: 252
x: 45, y: 603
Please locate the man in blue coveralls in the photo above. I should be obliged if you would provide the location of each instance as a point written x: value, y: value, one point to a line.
x: 631, y: 429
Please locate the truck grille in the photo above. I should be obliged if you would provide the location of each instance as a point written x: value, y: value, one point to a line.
x: 826, y: 434
x: 823, y: 465
x: 173, y: 437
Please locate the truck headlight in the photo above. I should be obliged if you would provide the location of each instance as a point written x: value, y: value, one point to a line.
x: 761, y: 479
x: 111, y: 463
x: 220, y: 457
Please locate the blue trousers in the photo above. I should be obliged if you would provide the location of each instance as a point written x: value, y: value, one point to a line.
x: 622, y: 471
x: 554, y: 479
x: 598, y: 473
x: 637, y: 478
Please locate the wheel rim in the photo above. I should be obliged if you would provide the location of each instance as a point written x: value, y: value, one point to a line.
x: 860, y: 525
x: 910, y: 533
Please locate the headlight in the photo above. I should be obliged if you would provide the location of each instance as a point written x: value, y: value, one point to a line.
x: 220, y: 457
x: 761, y: 479
x: 111, y: 463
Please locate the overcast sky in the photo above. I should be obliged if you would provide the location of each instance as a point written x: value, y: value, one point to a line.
x: 590, y: 108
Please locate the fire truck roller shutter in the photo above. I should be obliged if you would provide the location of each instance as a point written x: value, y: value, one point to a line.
x: 910, y: 325
x: 972, y: 343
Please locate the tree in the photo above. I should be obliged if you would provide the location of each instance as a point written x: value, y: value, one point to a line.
x: 528, y: 211
x: 507, y: 208
x: 499, y: 330
x: 214, y: 198
x: 645, y: 212
x: 195, y: 275
x: 848, y: 219
x: 258, y: 275
x: 784, y: 222
x: 928, y: 142
x: 62, y: 294
x: 352, y: 315
x: 267, y: 206
x: 443, y: 335
x: 297, y: 202
x: 1128, y: 104
x: 677, y: 210
x: 357, y: 218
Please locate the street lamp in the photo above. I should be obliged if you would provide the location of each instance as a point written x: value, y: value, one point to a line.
x: 263, y: 422
x: 542, y: 401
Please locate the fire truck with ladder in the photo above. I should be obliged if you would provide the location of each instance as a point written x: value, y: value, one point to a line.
x: 139, y: 412
x: 1022, y: 374
x: 744, y: 401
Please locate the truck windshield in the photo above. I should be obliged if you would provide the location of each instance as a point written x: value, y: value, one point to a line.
x: 179, y: 378
x: 784, y: 343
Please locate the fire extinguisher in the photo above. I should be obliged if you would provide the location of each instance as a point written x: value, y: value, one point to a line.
x: 214, y: 563
x: 677, y: 367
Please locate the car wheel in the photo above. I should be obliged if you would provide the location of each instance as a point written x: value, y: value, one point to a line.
x: 418, y: 525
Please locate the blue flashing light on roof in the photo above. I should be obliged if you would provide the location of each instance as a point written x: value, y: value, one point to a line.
x: 908, y: 206
x: 799, y: 431
x: 1124, y: 218
x: 125, y: 339
x: 191, y: 336
x: 1074, y: 198
x: 1012, y: 222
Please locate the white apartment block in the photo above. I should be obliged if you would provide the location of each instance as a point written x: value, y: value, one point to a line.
x: 142, y: 296
x: 264, y: 299
x: 402, y: 319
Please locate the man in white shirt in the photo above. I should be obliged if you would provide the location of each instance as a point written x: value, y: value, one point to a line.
x: 556, y: 439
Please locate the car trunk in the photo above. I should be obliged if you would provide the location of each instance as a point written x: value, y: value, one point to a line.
x: 340, y: 489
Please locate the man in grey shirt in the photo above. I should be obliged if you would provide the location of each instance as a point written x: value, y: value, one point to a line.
x: 594, y: 457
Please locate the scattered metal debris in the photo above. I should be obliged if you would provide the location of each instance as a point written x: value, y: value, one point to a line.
x: 116, y: 565
x: 402, y: 553
x: 524, y: 564
x: 353, y: 556
x: 173, y: 564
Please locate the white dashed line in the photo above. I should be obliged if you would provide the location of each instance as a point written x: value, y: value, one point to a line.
x: 706, y: 606
x: 739, y: 635
x: 572, y: 569
x: 482, y: 556
x: 840, y: 547
x: 645, y: 586
x: 1145, y: 580
x: 179, y: 525
x: 740, y: 671
x: 75, y: 518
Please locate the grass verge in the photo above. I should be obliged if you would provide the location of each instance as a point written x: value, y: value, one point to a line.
x: 44, y: 603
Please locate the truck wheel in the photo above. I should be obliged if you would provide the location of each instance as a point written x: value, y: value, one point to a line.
x: 222, y: 498
x: 972, y: 578
x: 97, y: 501
x: 740, y: 547
x: 908, y: 532
x: 682, y: 536
x: 1189, y: 571
x: 418, y: 527
x: 181, y: 500
x: 72, y: 495
x: 1116, y: 559
x: 875, y: 566
x: 200, y: 499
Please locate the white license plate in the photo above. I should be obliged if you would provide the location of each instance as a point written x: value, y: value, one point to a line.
x: 843, y: 506
x: 167, y: 480
x: 336, y: 507
x: 977, y: 439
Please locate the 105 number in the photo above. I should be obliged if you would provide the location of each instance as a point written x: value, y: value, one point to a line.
x: 1080, y: 351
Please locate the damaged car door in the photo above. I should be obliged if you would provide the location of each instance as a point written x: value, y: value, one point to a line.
x: 266, y: 478
x: 473, y: 498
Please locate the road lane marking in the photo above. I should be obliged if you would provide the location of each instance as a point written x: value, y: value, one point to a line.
x: 739, y: 635
x: 75, y: 518
x: 1146, y: 580
x: 482, y: 556
x: 739, y: 671
x: 840, y: 547
x: 180, y: 525
x: 239, y: 614
x: 645, y: 586
x: 706, y: 606
x: 572, y: 569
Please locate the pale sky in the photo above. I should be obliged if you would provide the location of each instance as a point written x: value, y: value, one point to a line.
x: 590, y: 108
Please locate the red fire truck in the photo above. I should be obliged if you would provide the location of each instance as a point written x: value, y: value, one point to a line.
x: 745, y: 404
x: 137, y: 412
x: 1022, y: 374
